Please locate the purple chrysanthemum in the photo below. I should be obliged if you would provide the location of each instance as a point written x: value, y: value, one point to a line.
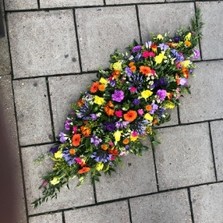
x: 161, y: 94
x: 118, y: 95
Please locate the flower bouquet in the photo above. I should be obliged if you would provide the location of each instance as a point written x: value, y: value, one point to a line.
x: 122, y: 106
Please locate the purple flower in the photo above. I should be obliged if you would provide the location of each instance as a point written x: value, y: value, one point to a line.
x: 68, y: 157
x: 118, y: 95
x: 128, y: 71
x: 109, y: 126
x: 161, y: 94
x: 67, y: 124
x: 163, y: 46
x: 136, y: 49
x: 196, y: 54
x: 103, y: 157
x: 95, y: 140
x: 176, y: 39
x: 121, y: 124
x: 154, y: 108
x: 179, y: 56
x: 63, y: 137
x: 93, y: 117
x: 136, y: 101
x: 113, y: 83
x: 54, y: 149
x: 140, y: 111
x: 183, y: 81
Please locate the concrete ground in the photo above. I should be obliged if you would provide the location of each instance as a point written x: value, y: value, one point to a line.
x: 55, y: 48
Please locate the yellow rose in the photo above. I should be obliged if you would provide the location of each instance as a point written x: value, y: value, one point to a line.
x: 160, y: 57
x: 159, y: 37
x: 146, y: 93
x: 103, y: 81
x: 148, y: 117
x: 117, y: 66
x: 58, y: 154
x: 117, y: 135
x: 99, y: 166
x: 55, y: 180
x: 99, y: 100
x: 169, y: 105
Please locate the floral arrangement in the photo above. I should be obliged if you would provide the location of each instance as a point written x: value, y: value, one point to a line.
x: 122, y: 106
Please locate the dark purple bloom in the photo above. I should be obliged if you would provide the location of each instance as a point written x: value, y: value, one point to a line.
x: 136, y: 49
x: 136, y: 101
x: 68, y: 157
x: 161, y: 94
x: 95, y: 140
x: 67, y: 124
x: 138, y: 56
x: 109, y: 126
x: 162, y: 82
x: 113, y: 83
x: 63, y: 137
x: 118, y: 95
x: 176, y: 39
x: 54, y: 149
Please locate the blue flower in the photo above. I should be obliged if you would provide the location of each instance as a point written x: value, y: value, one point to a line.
x: 101, y: 156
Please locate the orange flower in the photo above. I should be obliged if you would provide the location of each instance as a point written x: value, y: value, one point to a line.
x: 125, y: 141
x: 154, y: 47
x: 177, y: 79
x: 169, y: 95
x: 185, y: 72
x: 84, y: 170
x: 114, y: 152
x: 86, y: 131
x: 101, y: 87
x: 109, y: 109
x: 115, y: 74
x: 133, y: 68
x: 187, y: 43
x: 155, y: 121
x: 72, y: 152
x: 94, y: 87
x: 76, y: 139
x: 145, y: 70
x: 130, y: 116
x: 131, y: 64
x: 104, y: 146
x: 80, y: 102
x: 149, y: 107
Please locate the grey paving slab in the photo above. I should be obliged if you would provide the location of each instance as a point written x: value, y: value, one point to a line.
x: 43, y: 43
x: 217, y: 133
x: 136, y: 176
x: 165, y: 18
x: 76, y: 196
x: 207, y: 203
x: 205, y: 101
x: 33, y: 113
x: 112, y: 28
x: 9, y: 114
x: 173, y: 120
x: 69, y: 3
x: 64, y: 91
x: 212, y: 40
x: 49, y: 218
x: 117, y: 2
x: 5, y: 67
x: 106, y: 213
x: 20, y: 4
x: 168, y: 207
x: 184, y: 156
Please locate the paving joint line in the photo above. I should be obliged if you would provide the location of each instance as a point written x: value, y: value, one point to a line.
x: 155, y: 167
x: 63, y: 217
x: 94, y: 191
x: 130, y: 211
x: 15, y: 114
x: 38, y: 3
x: 178, y: 115
x: 212, y: 151
x: 104, y: 2
x: 190, y: 204
x: 138, y: 22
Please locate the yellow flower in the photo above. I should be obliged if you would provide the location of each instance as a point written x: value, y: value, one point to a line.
x: 185, y: 63
x: 159, y: 37
x: 55, y: 180
x: 117, y: 66
x: 103, y: 81
x: 146, y: 93
x: 160, y: 58
x: 117, y: 135
x: 188, y: 36
x: 58, y: 154
x: 133, y: 138
x: 148, y: 117
x: 99, y: 100
x: 169, y: 105
x: 99, y: 166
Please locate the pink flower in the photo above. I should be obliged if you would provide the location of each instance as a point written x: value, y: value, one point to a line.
x: 78, y: 160
x: 134, y: 134
x: 140, y: 112
x: 133, y: 89
x: 75, y: 129
x: 147, y: 54
x: 118, y: 113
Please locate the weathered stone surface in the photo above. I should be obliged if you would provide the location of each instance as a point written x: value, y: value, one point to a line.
x: 20, y: 4
x: 69, y: 3
x: 64, y: 91
x: 112, y: 28
x: 117, y: 2
x: 217, y: 133
x: 107, y: 213
x: 43, y: 43
x: 212, y: 40
x: 76, y: 196
x: 184, y: 156
x: 165, y: 18
x: 207, y: 203
x: 136, y: 176
x: 205, y: 101
x: 33, y: 114
x: 168, y: 207
x: 49, y: 218
x: 10, y: 122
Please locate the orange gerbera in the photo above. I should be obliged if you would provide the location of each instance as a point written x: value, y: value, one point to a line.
x: 86, y: 131
x: 149, y: 107
x: 76, y: 139
x: 101, y: 87
x: 145, y: 70
x: 133, y: 68
x: 125, y: 141
x: 94, y: 87
x: 72, y: 152
x: 130, y: 116
x: 104, y: 146
x: 109, y: 109
x: 84, y: 170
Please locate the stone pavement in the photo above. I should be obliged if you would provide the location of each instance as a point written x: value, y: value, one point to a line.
x: 55, y: 47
